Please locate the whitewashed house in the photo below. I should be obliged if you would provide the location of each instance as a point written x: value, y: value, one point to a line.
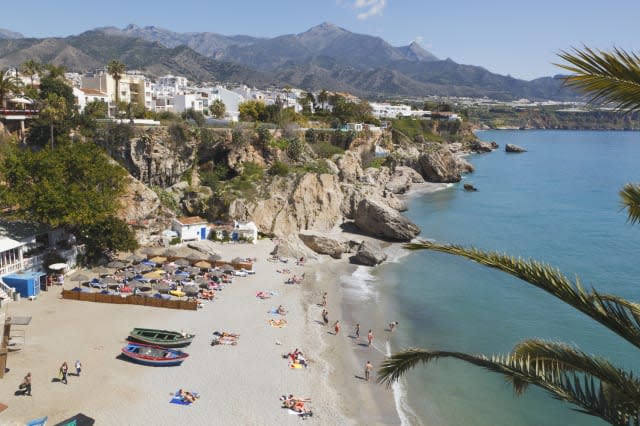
x: 245, y: 232
x: 187, y: 101
x: 85, y: 96
x: 191, y: 228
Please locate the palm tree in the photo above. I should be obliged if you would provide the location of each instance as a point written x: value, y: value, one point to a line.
x: 31, y: 68
x: 591, y: 383
x: 116, y: 70
x: 9, y: 84
x: 54, y: 110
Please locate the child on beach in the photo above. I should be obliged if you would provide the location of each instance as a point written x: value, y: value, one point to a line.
x: 357, y: 332
x: 336, y: 327
x: 325, y: 316
x: 78, y: 367
x: 370, y: 337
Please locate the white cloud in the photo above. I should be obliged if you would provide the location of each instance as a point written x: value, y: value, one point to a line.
x: 419, y: 39
x: 369, y: 8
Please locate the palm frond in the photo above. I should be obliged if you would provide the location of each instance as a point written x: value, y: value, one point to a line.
x: 582, y: 390
x: 618, y: 314
x: 630, y: 199
x: 605, y: 76
x: 570, y: 359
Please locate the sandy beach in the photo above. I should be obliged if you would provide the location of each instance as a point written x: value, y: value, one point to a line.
x: 238, y: 384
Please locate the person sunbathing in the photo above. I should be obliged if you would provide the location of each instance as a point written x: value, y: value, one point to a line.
x: 225, y: 334
x: 278, y: 322
x: 187, y: 396
x: 281, y: 310
x: 219, y: 340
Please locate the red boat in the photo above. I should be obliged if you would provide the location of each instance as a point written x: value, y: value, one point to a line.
x: 156, y: 356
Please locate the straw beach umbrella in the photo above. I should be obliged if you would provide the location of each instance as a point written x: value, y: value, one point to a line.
x: 203, y: 264
x: 116, y: 264
x: 182, y: 262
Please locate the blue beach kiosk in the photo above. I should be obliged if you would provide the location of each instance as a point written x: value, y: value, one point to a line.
x: 27, y: 284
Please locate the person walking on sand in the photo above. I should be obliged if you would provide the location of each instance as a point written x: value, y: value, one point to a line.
x: 64, y: 369
x: 325, y: 316
x: 367, y: 370
x: 324, y: 299
x: 336, y: 327
x: 78, y: 367
x: 370, y: 337
x: 357, y: 332
x: 393, y: 325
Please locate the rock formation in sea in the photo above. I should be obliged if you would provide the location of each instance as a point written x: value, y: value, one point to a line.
x: 514, y: 148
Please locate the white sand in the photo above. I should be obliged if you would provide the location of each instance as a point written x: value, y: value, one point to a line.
x: 238, y: 384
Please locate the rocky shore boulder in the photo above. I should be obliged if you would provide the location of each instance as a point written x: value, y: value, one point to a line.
x: 323, y: 244
x: 440, y: 166
x: 480, y: 147
x: 369, y: 254
x: 402, y: 179
x: 514, y: 148
x: 381, y: 221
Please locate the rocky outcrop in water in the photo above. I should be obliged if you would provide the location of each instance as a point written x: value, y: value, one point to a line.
x: 381, y: 221
x: 440, y: 166
x: 481, y: 147
x: 514, y: 148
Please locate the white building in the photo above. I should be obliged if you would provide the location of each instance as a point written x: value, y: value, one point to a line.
x: 193, y: 101
x: 191, y: 228
x: 245, y: 231
x: 85, y: 96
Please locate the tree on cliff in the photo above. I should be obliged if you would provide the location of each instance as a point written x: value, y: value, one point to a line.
x: 591, y: 383
x: 75, y: 185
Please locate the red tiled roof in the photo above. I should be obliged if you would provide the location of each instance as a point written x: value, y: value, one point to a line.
x: 191, y: 220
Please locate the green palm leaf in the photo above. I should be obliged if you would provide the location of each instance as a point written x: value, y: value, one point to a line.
x: 615, y: 313
x: 630, y: 199
x: 606, y: 77
x: 570, y: 359
x: 582, y: 390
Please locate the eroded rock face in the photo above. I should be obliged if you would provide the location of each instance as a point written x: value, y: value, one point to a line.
x: 350, y: 167
x: 514, y: 148
x: 140, y: 206
x: 369, y: 254
x: 440, y: 166
x: 312, y: 203
x: 381, y: 221
x: 324, y: 244
x: 152, y: 156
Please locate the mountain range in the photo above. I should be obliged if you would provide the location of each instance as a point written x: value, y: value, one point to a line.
x: 323, y: 57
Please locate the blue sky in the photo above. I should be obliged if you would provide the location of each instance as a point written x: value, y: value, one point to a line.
x: 516, y: 37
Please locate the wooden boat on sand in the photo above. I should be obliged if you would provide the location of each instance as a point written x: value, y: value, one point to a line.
x: 153, y: 355
x: 164, y: 338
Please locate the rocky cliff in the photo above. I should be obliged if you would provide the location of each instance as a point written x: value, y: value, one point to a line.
x: 156, y: 156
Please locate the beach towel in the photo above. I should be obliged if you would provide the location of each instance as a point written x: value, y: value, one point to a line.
x: 274, y: 311
x: 177, y: 399
x: 295, y: 365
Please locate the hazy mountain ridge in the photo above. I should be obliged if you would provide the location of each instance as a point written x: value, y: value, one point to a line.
x: 6, y: 34
x: 323, y: 57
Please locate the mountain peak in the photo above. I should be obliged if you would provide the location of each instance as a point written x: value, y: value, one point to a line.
x: 131, y: 27
x: 415, y: 52
x: 325, y: 28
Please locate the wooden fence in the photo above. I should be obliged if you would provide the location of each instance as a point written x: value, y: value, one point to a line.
x: 130, y: 300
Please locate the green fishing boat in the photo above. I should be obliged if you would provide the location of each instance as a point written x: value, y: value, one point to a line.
x: 164, y: 338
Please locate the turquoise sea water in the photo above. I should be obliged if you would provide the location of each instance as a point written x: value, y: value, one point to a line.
x: 557, y: 203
